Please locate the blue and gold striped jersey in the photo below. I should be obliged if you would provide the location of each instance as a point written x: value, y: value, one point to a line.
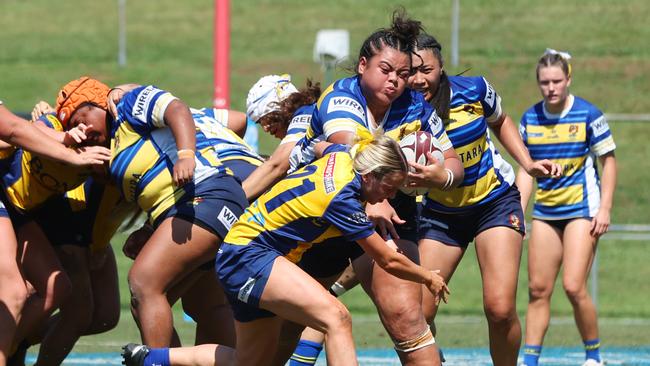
x: 299, y: 123
x: 317, y: 202
x: 342, y: 107
x: 573, y: 139
x: 228, y: 146
x: 144, y: 152
x: 474, y: 105
x: 29, y: 180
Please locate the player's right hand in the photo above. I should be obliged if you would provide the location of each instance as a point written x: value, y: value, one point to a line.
x: 40, y: 109
x: 76, y: 135
x: 134, y: 243
x: 385, y: 218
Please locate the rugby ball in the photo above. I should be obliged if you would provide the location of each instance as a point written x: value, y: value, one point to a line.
x: 415, y: 147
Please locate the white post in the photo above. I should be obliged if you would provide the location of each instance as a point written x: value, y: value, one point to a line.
x: 594, y: 280
x: 455, y: 21
x: 121, y: 35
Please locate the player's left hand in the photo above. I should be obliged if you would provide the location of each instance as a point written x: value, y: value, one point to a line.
x: 431, y: 175
x: 90, y: 155
x: 438, y: 287
x: 600, y: 223
x: 184, y: 171
x: 544, y: 168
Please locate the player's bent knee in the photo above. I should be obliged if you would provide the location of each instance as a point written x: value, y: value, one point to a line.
x: 339, y: 318
x: 424, y: 339
x: 500, y: 312
x: 539, y: 292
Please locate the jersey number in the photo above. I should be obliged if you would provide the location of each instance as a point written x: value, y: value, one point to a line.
x: 305, y: 187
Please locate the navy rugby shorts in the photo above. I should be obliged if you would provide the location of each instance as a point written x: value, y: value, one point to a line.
x: 459, y: 229
x: 215, y: 204
x: 243, y: 271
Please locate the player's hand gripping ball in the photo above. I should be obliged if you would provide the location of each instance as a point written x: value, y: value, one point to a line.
x: 415, y: 147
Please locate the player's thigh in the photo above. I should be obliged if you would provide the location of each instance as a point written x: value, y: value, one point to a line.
x: 498, y: 250
x: 435, y: 255
x: 38, y: 259
x: 176, y: 248
x: 9, y: 248
x: 293, y: 295
x: 579, y: 251
x: 544, y: 255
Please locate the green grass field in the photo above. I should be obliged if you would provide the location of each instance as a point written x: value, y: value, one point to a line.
x: 45, y: 44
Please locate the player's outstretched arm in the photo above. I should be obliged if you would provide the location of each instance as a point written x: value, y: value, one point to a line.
x: 20, y: 132
x: 400, y: 266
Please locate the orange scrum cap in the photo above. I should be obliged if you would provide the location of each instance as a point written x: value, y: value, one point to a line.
x: 78, y: 92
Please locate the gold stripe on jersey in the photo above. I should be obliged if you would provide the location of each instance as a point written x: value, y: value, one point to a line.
x: 405, y: 129
x: 160, y: 187
x: 472, y: 153
x: 139, y: 165
x: 56, y: 124
x: 327, y: 90
x: 469, y: 195
x: 295, y: 255
x: 257, y: 220
x: 570, y: 165
x: 561, y: 196
x: 7, y: 152
x: 125, y: 136
x: 208, y: 154
x: 464, y: 114
x: 77, y: 198
x: 251, y: 225
x: 556, y: 134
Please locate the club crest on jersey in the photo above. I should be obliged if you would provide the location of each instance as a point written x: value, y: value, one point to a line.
x: 346, y: 104
x: 319, y: 222
x: 328, y: 175
x: 573, y: 130
x: 514, y: 221
x: 359, y: 218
